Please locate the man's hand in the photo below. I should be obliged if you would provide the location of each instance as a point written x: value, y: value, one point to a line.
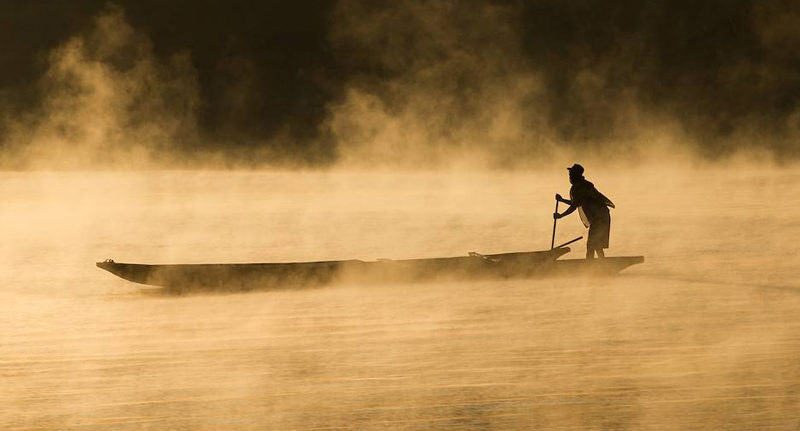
x: 557, y: 216
x: 559, y: 198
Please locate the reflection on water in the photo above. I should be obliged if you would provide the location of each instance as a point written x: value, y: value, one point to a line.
x: 704, y: 335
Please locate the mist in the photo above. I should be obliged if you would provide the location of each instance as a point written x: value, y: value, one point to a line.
x: 233, y: 132
x: 412, y: 84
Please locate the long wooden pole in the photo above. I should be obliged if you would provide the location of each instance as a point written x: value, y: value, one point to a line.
x: 553, y: 239
x: 570, y: 242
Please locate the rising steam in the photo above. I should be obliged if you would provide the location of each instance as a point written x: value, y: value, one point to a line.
x: 440, y: 83
x: 107, y: 101
x: 415, y: 84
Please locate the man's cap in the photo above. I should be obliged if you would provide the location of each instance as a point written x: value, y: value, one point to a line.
x: 576, y: 168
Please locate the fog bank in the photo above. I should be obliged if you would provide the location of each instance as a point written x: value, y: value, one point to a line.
x: 414, y: 84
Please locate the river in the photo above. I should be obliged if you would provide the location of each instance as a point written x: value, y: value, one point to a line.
x: 704, y: 335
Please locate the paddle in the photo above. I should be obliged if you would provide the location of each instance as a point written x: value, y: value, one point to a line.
x: 553, y: 239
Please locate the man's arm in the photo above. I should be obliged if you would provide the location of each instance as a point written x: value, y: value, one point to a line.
x: 570, y: 210
x: 561, y: 199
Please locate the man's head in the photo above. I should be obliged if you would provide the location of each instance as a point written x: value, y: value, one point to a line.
x: 575, y: 172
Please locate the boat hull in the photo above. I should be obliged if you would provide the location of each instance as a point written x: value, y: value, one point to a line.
x: 298, y: 274
x: 249, y: 276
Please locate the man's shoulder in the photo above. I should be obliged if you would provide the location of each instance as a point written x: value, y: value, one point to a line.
x: 582, y: 186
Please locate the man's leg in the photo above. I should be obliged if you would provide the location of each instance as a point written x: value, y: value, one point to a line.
x: 591, y: 241
x: 600, y: 252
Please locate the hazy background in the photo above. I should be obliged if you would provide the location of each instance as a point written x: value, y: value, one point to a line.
x: 418, y: 83
x: 236, y: 131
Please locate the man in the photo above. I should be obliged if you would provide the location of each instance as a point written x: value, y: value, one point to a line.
x: 593, y: 210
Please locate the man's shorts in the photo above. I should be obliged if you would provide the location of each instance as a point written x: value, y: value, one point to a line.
x: 599, y: 231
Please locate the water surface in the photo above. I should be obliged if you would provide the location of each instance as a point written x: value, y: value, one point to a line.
x: 704, y: 335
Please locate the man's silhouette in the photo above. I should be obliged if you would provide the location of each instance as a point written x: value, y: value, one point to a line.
x: 593, y: 210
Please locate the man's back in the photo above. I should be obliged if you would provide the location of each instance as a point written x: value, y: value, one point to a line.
x: 589, y: 199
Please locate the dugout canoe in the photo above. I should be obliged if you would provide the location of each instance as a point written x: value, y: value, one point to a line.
x: 250, y: 276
